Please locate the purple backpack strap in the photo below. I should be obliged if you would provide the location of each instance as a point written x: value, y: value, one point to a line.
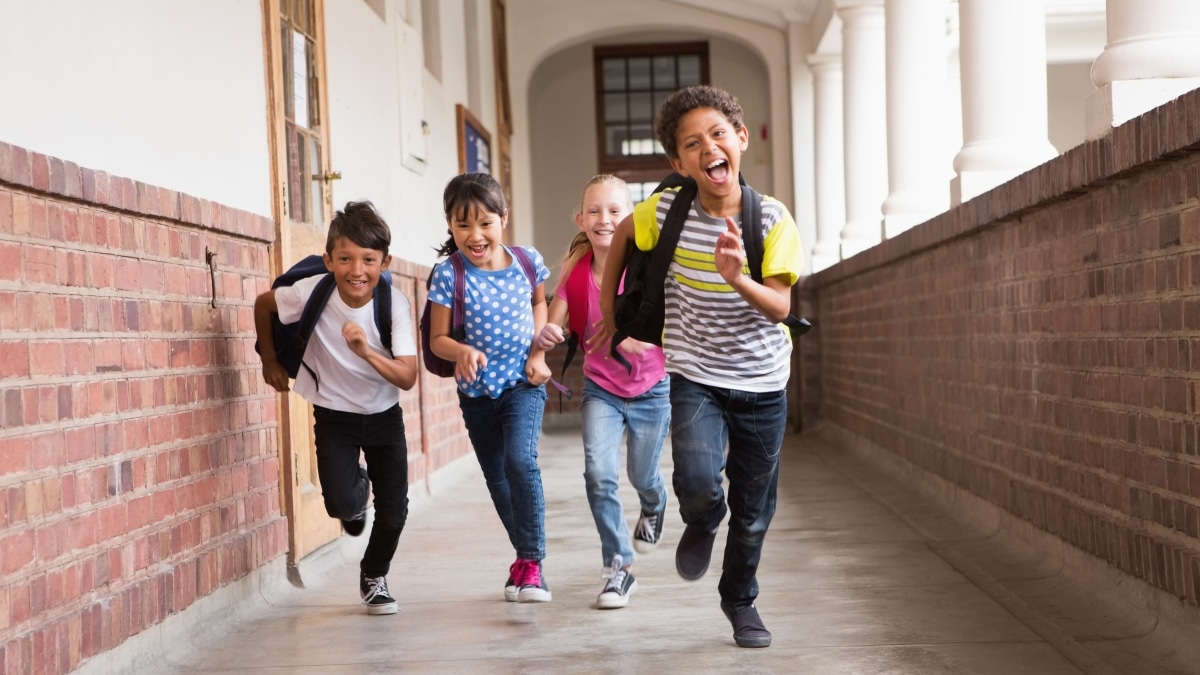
x: 456, y: 305
x: 526, y: 264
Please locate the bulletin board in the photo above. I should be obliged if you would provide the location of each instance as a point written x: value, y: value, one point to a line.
x: 474, y: 143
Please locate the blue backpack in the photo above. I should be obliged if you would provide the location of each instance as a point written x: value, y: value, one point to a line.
x: 291, y: 339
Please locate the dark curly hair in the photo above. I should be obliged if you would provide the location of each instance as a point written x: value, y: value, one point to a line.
x: 360, y: 223
x: 666, y: 124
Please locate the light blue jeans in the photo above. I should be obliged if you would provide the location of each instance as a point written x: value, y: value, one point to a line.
x: 504, y: 432
x: 644, y: 420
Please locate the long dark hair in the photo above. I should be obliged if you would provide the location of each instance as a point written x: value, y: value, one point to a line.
x: 465, y: 193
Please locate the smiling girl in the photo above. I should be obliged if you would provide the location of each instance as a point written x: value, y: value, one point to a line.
x: 500, y: 373
x: 634, y: 404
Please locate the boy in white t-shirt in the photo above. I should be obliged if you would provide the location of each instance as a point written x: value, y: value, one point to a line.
x: 354, y: 386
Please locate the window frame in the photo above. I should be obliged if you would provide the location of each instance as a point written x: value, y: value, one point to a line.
x: 637, y: 168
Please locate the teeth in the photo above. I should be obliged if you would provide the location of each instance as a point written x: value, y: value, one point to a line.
x: 716, y: 163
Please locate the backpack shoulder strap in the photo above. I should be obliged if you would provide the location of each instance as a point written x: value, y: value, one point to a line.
x: 526, y: 265
x: 576, y: 290
x: 456, y: 305
x: 654, y: 281
x: 752, y: 239
x: 383, y: 309
x: 312, y: 313
x: 668, y: 238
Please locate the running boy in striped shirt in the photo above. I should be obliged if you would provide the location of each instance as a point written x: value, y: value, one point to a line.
x: 727, y: 353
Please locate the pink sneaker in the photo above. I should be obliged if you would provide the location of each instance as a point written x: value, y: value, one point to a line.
x: 533, y: 584
x: 515, y: 574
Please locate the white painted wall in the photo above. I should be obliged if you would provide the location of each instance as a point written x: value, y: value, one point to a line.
x: 168, y: 93
x: 365, y: 74
x: 562, y: 109
x: 541, y: 29
x: 1067, y: 85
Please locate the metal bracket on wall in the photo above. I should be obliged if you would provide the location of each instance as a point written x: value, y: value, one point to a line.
x: 210, y: 257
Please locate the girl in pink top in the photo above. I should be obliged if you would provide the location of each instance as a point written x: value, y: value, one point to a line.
x: 616, y: 402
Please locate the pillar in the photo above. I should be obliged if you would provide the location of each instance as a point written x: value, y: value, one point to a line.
x: 1152, y: 56
x: 1002, y: 56
x: 916, y: 104
x: 828, y: 148
x: 864, y: 110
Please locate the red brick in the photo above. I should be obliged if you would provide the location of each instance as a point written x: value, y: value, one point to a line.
x: 18, y: 550
x: 46, y: 358
x: 14, y: 359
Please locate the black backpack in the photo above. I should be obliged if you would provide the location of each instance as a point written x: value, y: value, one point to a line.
x: 638, y: 311
x: 291, y: 339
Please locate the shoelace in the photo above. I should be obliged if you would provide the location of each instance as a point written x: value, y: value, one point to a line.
x: 614, y: 574
x: 376, y: 586
x: 646, y: 527
x: 533, y: 574
x: 516, y: 571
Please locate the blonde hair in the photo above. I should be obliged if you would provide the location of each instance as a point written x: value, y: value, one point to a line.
x: 580, y: 244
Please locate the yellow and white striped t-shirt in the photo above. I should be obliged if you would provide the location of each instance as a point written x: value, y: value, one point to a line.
x: 712, y: 335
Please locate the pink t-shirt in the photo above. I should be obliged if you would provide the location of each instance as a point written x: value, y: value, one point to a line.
x: 606, y: 371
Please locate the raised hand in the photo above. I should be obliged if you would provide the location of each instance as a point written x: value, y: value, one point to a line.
x: 728, y: 255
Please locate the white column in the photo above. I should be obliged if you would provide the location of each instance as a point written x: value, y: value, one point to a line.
x: 828, y: 146
x: 916, y: 102
x: 1003, y: 63
x: 803, y: 152
x: 1152, y: 56
x: 864, y: 97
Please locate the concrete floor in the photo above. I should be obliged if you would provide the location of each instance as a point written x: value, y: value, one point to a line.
x: 861, y: 574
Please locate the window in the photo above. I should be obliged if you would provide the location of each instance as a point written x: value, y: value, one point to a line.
x: 632, y: 81
x: 301, y: 111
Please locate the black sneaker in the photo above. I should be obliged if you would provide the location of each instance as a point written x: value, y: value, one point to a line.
x: 356, y: 526
x: 694, y: 552
x: 375, y: 596
x: 748, y: 628
x: 648, y: 532
x: 619, y: 586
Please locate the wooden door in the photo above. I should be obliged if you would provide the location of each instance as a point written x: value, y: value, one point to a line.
x: 300, y: 173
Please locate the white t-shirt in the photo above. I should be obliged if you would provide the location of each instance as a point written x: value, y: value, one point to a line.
x: 347, y: 382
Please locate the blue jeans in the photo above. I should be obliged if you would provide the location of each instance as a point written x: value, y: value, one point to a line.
x: 380, y: 437
x: 606, y: 417
x: 504, y: 432
x: 703, y: 420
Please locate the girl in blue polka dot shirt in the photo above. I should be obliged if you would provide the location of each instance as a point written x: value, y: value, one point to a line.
x: 501, y: 373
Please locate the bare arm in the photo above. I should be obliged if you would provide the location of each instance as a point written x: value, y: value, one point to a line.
x: 467, y: 360
x: 536, y: 370
x: 401, y: 371
x: 554, y: 331
x: 274, y: 373
x: 772, y: 298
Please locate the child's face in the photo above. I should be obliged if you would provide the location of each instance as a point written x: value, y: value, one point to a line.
x: 356, y: 270
x: 710, y: 151
x: 604, y: 206
x: 480, y: 237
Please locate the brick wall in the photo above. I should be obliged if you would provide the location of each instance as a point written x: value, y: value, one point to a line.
x: 1039, y: 347
x: 139, y: 467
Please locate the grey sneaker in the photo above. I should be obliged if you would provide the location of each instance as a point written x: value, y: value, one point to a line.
x: 618, y: 586
x: 375, y: 596
x: 648, y: 532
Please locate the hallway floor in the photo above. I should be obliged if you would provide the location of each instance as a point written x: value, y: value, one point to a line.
x: 860, y: 574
